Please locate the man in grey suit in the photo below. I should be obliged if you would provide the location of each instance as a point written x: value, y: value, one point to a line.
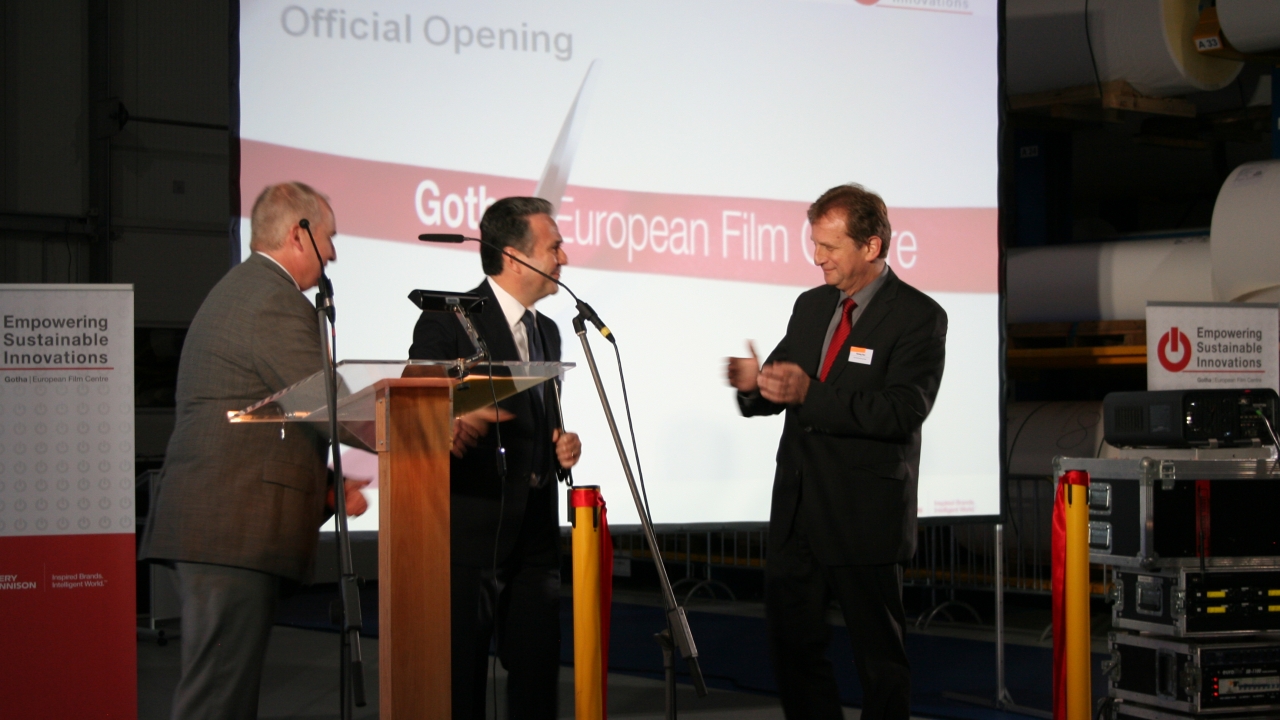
x: 240, y: 505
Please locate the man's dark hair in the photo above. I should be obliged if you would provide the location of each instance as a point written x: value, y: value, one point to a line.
x: 506, y: 224
x: 864, y: 213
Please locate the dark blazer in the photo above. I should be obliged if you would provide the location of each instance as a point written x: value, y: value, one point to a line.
x: 849, y: 459
x: 243, y: 495
x: 476, y: 495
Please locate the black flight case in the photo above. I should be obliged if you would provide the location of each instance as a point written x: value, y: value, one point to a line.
x: 1203, y: 678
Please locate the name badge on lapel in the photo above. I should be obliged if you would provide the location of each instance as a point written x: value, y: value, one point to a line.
x: 862, y: 356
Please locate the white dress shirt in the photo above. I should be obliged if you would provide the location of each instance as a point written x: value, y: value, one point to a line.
x: 513, y: 311
x: 277, y: 262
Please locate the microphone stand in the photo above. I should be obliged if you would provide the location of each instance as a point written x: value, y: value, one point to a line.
x: 677, y: 623
x: 351, y: 664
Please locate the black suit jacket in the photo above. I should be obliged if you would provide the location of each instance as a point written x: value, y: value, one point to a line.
x: 849, y: 459
x: 476, y: 494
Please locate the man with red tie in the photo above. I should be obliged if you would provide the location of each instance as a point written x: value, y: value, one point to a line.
x: 857, y: 374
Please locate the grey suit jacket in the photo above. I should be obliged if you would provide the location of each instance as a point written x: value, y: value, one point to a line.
x: 243, y: 495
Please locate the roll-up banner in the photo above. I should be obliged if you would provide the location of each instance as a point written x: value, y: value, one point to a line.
x: 66, y: 502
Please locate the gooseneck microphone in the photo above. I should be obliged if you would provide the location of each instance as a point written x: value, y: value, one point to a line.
x: 325, y: 290
x: 584, y: 310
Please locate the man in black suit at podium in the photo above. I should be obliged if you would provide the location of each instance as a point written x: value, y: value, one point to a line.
x: 856, y: 373
x: 511, y: 589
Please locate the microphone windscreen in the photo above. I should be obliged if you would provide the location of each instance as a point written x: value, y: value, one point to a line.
x: 442, y: 238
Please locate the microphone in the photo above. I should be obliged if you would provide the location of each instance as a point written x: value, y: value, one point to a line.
x: 584, y: 310
x: 325, y: 291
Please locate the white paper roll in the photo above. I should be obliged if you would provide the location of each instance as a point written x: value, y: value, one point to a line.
x: 1251, y: 26
x: 1245, y: 236
x: 1105, y: 281
x: 1144, y: 42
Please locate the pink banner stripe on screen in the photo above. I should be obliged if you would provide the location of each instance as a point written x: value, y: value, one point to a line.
x: 725, y: 238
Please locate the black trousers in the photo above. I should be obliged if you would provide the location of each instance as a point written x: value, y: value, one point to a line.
x: 520, y: 608
x: 798, y: 591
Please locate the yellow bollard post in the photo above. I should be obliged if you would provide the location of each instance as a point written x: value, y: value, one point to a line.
x: 1073, y: 687
x: 590, y: 618
x: 1079, y: 682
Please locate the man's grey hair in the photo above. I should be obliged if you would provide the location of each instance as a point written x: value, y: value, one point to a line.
x: 279, y: 207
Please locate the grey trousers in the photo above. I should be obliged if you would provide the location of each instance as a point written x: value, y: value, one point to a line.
x: 227, y: 613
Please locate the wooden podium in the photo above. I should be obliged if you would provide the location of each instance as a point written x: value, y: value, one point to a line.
x: 404, y: 412
x: 413, y: 426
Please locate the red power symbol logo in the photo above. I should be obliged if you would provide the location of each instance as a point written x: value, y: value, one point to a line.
x: 1174, y: 341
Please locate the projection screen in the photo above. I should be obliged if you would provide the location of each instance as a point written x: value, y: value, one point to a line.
x: 685, y: 140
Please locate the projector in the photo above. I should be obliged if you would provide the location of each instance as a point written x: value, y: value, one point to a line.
x: 1190, y: 418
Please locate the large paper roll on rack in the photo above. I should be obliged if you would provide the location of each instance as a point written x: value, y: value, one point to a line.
x: 1105, y: 281
x: 1251, y: 26
x: 1245, y: 238
x: 1146, y: 43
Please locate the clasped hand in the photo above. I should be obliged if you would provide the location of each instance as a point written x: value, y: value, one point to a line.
x: 355, y: 500
x: 784, y: 383
x: 469, y: 428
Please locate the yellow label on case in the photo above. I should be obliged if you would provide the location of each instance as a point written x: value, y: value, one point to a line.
x: 1216, y: 594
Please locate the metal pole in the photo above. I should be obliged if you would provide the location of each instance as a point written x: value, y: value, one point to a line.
x: 676, y: 620
x: 1003, y: 700
x: 1002, y: 692
x: 351, y: 665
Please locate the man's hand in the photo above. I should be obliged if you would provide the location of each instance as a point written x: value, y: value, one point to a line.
x: 568, y: 448
x: 783, y: 383
x: 743, y: 372
x: 469, y: 428
x: 356, y: 503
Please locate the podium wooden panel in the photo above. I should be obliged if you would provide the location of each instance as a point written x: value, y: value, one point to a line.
x: 413, y: 423
x: 403, y: 410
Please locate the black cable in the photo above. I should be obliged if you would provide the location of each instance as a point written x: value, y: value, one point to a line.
x: 1274, y: 439
x: 644, y: 494
x: 1105, y: 707
x: 500, y: 461
x: 1093, y: 60
x: 1008, y: 462
x: 631, y: 428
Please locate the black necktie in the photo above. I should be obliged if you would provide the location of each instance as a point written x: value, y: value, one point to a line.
x: 541, y: 450
x: 533, y: 336
x: 533, y: 339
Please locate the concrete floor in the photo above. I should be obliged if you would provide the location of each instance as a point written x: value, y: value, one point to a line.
x: 301, y: 675
x: 301, y: 678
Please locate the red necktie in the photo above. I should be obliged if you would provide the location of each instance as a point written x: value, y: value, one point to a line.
x: 837, y: 340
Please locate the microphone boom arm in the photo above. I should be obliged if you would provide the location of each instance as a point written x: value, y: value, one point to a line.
x: 584, y: 309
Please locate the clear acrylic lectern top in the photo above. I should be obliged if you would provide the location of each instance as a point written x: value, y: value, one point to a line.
x: 473, y: 388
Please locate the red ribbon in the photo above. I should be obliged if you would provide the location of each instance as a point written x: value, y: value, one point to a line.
x: 591, y: 497
x: 1066, y: 483
x: 1202, y: 519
